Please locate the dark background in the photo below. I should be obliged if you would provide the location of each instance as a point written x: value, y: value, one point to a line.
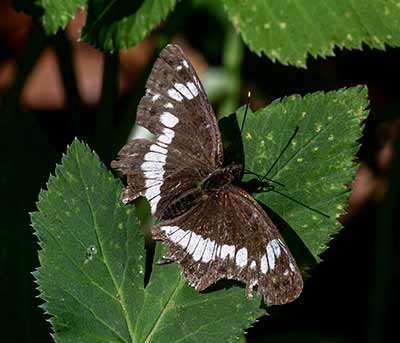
x: 54, y: 88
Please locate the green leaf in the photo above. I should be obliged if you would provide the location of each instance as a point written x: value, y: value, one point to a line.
x: 57, y: 13
x: 318, y: 165
x: 121, y: 24
x: 92, y: 269
x: 110, y: 25
x: 289, y: 30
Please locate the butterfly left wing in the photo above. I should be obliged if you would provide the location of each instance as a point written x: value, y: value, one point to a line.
x: 228, y: 235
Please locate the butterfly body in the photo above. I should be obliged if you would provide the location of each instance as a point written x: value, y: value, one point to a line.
x: 213, y: 228
x: 222, y: 176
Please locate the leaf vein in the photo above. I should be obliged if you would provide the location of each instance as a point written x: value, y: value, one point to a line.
x: 97, y: 229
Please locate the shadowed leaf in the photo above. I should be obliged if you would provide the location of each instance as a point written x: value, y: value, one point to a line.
x: 121, y: 24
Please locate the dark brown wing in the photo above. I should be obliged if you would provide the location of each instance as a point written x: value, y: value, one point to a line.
x: 187, y: 147
x: 228, y: 235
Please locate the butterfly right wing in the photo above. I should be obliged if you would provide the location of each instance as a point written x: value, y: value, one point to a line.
x: 228, y: 235
x: 187, y: 147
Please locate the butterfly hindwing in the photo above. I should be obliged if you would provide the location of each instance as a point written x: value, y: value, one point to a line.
x: 228, y: 235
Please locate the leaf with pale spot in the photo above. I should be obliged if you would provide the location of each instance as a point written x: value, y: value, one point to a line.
x: 318, y: 166
x: 92, y: 267
x: 287, y: 30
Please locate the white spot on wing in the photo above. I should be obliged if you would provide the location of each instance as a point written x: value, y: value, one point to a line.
x: 185, y: 64
x: 275, y: 247
x: 168, y: 105
x: 177, y: 236
x: 154, y: 203
x: 193, y: 243
x: 157, y: 148
x: 218, y: 253
x: 173, y: 94
x: 291, y: 266
x: 154, y: 174
x: 152, y: 192
x: 185, y: 240
x: 227, y: 250
x: 168, y: 119
x: 167, y: 136
x: 179, y: 67
x: 241, y: 257
x: 215, y: 251
x: 155, y: 157
x: 264, y: 264
x: 192, y: 88
x: 150, y: 165
x: 155, y: 97
x: 208, y: 252
x: 152, y: 182
x: 271, y: 257
x: 253, y: 265
x: 200, y: 249
x: 183, y: 89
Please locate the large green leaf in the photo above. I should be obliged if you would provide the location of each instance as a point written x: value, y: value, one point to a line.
x: 92, y: 269
x: 121, y: 24
x: 287, y: 30
x: 319, y: 163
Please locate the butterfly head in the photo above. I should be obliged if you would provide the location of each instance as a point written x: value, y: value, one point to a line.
x: 233, y: 171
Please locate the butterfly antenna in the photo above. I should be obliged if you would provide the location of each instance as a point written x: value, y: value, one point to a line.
x: 273, y: 181
x: 245, y: 112
x: 299, y: 202
x: 281, y: 153
x: 259, y: 177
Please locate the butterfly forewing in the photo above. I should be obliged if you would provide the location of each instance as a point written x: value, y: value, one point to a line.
x: 175, y: 100
x: 228, y: 235
x: 187, y: 146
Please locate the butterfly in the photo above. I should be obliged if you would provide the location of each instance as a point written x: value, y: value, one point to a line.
x: 213, y: 228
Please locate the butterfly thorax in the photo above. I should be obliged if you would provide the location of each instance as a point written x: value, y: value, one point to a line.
x: 222, y: 176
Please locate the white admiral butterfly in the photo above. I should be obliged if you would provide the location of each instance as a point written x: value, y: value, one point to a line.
x: 213, y: 228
